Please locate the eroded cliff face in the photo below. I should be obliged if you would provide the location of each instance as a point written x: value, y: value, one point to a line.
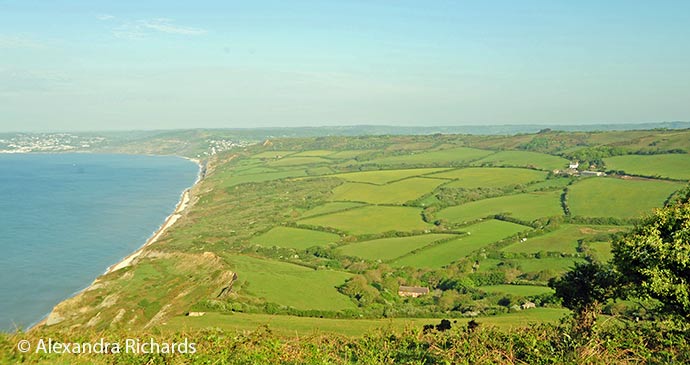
x: 155, y: 287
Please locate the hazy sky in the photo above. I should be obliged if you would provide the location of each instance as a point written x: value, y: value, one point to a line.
x: 76, y: 65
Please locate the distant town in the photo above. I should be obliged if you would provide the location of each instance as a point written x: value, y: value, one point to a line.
x: 48, y: 142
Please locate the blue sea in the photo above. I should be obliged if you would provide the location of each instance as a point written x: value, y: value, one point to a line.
x: 64, y: 218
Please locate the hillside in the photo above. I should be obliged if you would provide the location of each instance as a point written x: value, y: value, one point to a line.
x: 318, y: 229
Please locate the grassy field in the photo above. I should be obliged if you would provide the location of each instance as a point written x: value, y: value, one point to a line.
x: 524, y: 159
x: 555, y: 264
x: 619, y: 198
x: 242, y: 179
x: 601, y: 250
x: 674, y: 166
x: 295, y: 161
x: 389, y: 248
x: 349, y: 154
x: 520, y: 290
x: 562, y: 240
x: 291, y: 285
x: 452, y: 156
x: 302, y: 326
x: 490, y: 177
x: 394, y: 193
x: 372, y: 219
x: 313, y: 153
x: 330, y: 208
x: 479, y: 235
x: 272, y: 154
x: 294, y: 238
x: 381, y: 177
x: 527, y: 207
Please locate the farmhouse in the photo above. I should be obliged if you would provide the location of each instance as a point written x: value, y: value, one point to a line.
x: 412, y: 291
x: 574, y: 165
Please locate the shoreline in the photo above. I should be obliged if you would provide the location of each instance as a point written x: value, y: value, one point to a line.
x: 169, y: 221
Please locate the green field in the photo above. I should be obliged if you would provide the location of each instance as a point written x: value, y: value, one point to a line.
x: 313, y: 153
x: 389, y: 248
x: 372, y: 219
x: 330, y: 208
x: 295, y: 161
x: 381, y: 177
x: 296, y: 238
x: 490, y: 177
x: 564, y: 239
x: 524, y: 159
x: 242, y: 179
x: 519, y: 290
x: 618, y: 198
x: 526, y: 207
x: 601, y: 250
x: 272, y: 154
x: 674, y: 166
x: 291, y: 285
x: 304, y: 326
x: 479, y: 235
x: 556, y: 264
x: 349, y: 153
x: 394, y: 193
x: 452, y: 156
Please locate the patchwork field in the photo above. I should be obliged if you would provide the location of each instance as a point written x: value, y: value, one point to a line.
x: 619, y: 198
x: 442, y: 157
x: 394, y: 193
x: 526, y: 207
x: 674, y: 166
x: 519, y: 290
x: 290, y: 285
x: 296, y: 238
x: 372, y: 219
x: 564, y: 240
x: 389, y: 248
x: 479, y: 235
x: 490, y: 177
x: 524, y: 159
x: 555, y: 264
x: 385, y: 176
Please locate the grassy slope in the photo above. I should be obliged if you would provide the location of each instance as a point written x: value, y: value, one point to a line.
x: 524, y: 159
x: 289, y: 284
x: 675, y: 166
x: 294, y: 238
x: 389, y: 248
x: 372, y: 219
x: 521, y: 290
x: 479, y: 235
x: 522, y: 206
x: 385, y: 176
x: 564, y: 239
x: 393, y: 193
x: 472, y: 178
x: 594, y: 197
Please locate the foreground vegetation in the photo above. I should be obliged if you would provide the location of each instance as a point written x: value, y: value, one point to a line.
x: 539, y: 344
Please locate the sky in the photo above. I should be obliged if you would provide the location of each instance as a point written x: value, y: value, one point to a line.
x: 119, y: 65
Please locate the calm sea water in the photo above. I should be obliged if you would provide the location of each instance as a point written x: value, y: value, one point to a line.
x: 64, y: 218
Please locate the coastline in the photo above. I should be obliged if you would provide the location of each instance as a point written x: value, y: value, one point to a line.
x: 169, y: 221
